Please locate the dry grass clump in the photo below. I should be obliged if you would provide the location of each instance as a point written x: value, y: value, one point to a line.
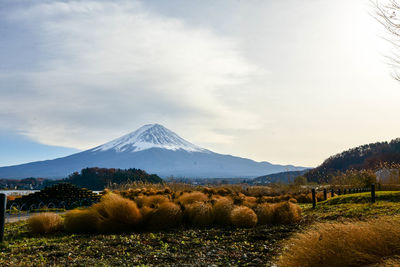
x: 304, y: 198
x: 250, y: 202
x: 287, y: 213
x: 243, y: 216
x: 222, y: 209
x: 266, y: 213
x: 278, y: 213
x: 151, y: 201
x: 199, y: 214
x: 349, y: 244
x: 167, y: 215
x: 117, y: 213
x: 388, y: 262
x: 45, y: 223
x: 81, y: 221
x: 191, y: 197
x: 147, y: 213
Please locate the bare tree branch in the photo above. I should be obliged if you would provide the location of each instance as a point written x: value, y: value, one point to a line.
x: 387, y: 13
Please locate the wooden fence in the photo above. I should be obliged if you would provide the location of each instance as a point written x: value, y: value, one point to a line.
x: 344, y: 191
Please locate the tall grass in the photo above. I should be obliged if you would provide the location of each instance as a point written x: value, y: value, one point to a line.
x: 222, y: 210
x: 45, y: 223
x: 81, y: 221
x: 199, y: 214
x: 348, y: 244
x: 167, y: 215
x: 117, y: 213
x: 265, y: 213
x: 153, y: 208
x: 190, y: 198
x: 243, y: 216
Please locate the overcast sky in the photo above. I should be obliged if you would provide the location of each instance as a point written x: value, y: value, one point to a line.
x: 284, y: 81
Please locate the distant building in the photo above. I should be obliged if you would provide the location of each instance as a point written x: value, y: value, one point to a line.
x: 388, y: 176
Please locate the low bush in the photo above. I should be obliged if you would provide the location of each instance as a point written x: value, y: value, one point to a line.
x: 167, y: 215
x: 81, y: 221
x: 117, y: 213
x: 349, y: 244
x: 45, y: 223
x: 222, y: 209
x: 151, y: 201
x: 243, y: 216
x: 146, y: 213
x: 286, y: 213
x: 189, y: 198
x: 250, y: 202
x: 199, y: 214
x: 265, y: 213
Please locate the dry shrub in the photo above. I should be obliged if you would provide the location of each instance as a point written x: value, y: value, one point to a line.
x: 168, y: 215
x: 250, y: 202
x: 11, y: 198
x: 117, y: 213
x: 152, y: 201
x: 293, y: 200
x: 319, y: 196
x: 81, y: 221
x: 208, y: 191
x: 222, y: 209
x: 45, y: 223
x: 266, y: 199
x: 199, y: 214
x: 304, y: 198
x: 224, y: 191
x: 189, y: 198
x: 388, y: 262
x: 266, y: 213
x: 350, y: 244
x: 287, y: 213
x: 243, y: 216
x: 147, y: 213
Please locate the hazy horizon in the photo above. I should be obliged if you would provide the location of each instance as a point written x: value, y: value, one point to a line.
x: 278, y: 81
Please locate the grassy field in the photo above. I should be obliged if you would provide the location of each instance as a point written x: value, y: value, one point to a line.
x: 220, y: 246
x: 260, y: 245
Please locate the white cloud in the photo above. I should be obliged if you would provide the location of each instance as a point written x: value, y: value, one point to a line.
x: 106, y: 68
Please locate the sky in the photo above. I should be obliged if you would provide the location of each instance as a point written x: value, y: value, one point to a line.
x: 284, y: 81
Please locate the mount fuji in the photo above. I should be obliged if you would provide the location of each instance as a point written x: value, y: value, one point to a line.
x: 155, y: 149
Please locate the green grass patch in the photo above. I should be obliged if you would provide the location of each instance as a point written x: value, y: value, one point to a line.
x: 345, y: 211
x: 391, y: 196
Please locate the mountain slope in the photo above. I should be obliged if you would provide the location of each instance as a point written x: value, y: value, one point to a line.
x: 281, y: 177
x: 369, y: 156
x: 152, y: 148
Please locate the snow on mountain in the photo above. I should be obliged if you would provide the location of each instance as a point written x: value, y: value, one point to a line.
x: 154, y: 149
x: 149, y: 136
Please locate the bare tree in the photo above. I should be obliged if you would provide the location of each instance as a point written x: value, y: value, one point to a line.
x: 387, y: 12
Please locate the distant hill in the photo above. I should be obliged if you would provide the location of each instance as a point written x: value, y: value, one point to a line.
x: 369, y: 156
x: 99, y: 178
x: 155, y: 149
x: 281, y: 177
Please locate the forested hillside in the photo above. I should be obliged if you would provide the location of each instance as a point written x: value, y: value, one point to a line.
x: 369, y: 156
x: 99, y: 178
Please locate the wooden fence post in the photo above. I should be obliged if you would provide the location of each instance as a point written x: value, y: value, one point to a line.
x: 3, y: 203
x: 332, y: 193
x: 314, y: 201
x: 339, y: 192
x: 325, y: 194
x: 344, y: 191
x: 373, y: 193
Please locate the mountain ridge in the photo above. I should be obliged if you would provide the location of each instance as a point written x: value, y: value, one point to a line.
x: 155, y: 149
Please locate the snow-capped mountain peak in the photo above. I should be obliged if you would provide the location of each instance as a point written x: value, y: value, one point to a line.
x: 150, y: 136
